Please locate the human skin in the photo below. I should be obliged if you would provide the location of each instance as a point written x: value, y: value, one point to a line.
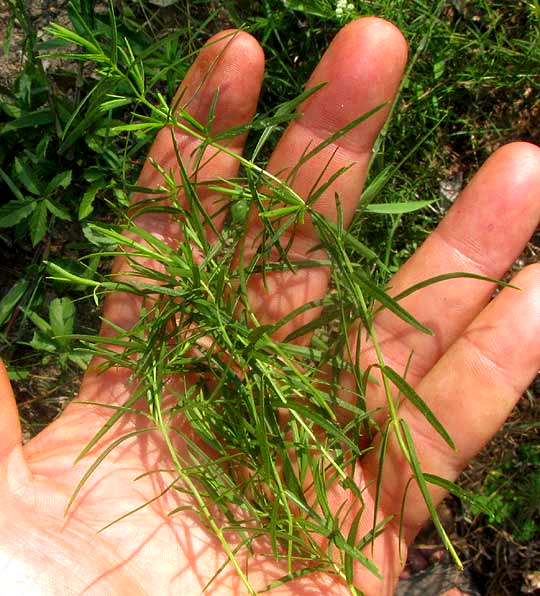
x: 482, y: 356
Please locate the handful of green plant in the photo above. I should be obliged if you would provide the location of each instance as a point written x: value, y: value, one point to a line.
x: 271, y: 384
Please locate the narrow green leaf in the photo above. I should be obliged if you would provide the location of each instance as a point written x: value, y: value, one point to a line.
x: 98, y: 239
x: 388, y: 302
x: 114, y: 34
x: 119, y: 412
x: 327, y: 315
x: 102, y: 456
x: 326, y: 423
x: 333, y: 138
x: 62, y: 319
x: 158, y: 250
x: 258, y: 333
x: 38, y: 223
x: 114, y: 102
x: 185, y: 115
x: 61, y: 274
x: 63, y: 33
x: 80, y: 360
x: 397, y: 208
x: 375, y: 186
x: 410, y: 393
x: 378, y: 491
x: 12, y: 186
x: 349, y: 240
x: 43, y: 343
x: 293, y: 575
x: 421, y: 480
x: 454, y: 489
x: 38, y: 321
x: 283, y: 114
x: 86, y: 205
x: 348, y: 564
x: 57, y: 211
x: 140, y: 507
x: 61, y: 180
x: 141, y: 126
x: 356, y: 554
x: 446, y: 276
x: 280, y: 212
x: 25, y: 174
x: 11, y: 299
x: 93, y: 98
x: 29, y: 120
x: 382, y: 178
x: 15, y: 211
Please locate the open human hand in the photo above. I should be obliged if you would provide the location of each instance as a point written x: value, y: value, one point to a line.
x: 471, y: 371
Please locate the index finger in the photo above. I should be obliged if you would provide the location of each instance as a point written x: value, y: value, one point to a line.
x: 230, y: 67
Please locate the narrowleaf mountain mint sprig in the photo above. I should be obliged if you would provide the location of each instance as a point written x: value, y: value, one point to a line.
x: 266, y: 441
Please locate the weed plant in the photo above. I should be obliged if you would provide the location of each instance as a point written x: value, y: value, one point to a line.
x: 62, y: 164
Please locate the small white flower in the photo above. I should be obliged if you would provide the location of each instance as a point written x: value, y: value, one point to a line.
x: 343, y: 8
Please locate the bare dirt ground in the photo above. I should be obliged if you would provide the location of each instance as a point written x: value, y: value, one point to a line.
x: 42, y: 12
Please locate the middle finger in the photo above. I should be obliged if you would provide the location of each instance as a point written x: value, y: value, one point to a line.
x: 361, y: 70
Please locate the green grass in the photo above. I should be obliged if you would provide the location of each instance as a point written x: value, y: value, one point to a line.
x: 70, y: 159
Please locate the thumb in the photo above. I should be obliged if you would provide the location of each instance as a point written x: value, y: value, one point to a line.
x: 14, y: 471
x: 10, y: 428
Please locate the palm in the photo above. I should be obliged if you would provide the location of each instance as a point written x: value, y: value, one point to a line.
x: 146, y: 553
x: 467, y: 363
x: 56, y: 544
